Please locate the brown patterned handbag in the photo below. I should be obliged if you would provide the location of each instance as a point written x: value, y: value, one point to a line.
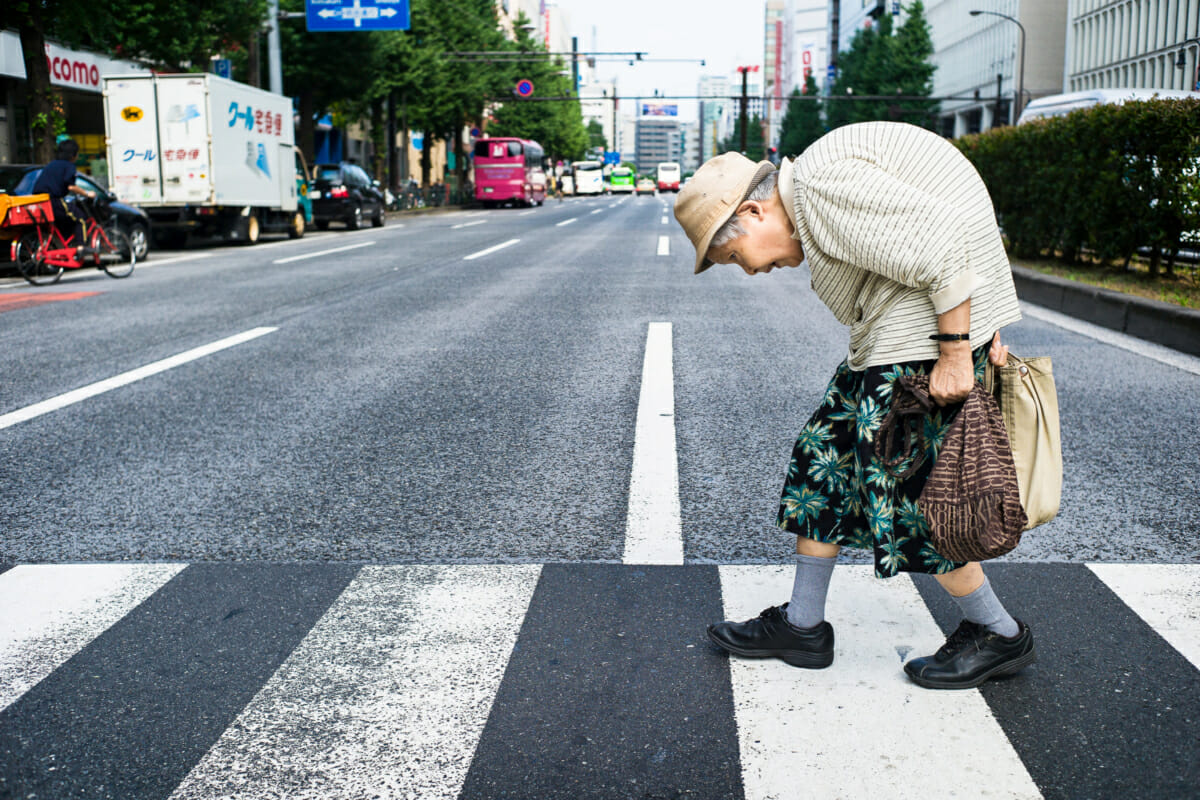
x: 971, y: 499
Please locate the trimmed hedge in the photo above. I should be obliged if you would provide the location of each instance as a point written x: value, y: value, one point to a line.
x: 1109, y: 179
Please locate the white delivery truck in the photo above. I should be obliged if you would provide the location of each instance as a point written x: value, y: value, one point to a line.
x: 203, y: 154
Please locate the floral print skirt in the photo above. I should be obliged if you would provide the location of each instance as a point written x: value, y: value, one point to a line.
x: 838, y: 492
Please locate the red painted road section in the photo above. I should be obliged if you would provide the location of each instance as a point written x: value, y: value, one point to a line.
x: 11, y: 301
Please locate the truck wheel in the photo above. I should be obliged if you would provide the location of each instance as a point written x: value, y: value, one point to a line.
x: 296, y: 229
x: 253, y: 231
x: 354, y: 221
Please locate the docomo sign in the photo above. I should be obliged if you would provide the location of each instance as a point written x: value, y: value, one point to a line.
x: 77, y: 70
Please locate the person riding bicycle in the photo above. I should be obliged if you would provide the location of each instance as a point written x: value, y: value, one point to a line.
x: 58, y: 180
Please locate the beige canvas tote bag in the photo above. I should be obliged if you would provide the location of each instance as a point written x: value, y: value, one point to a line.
x: 1024, y: 390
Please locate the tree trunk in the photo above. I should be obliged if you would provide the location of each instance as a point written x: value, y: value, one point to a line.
x: 393, y: 171
x: 460, y: 159
x: 426, y: 158
x: 308, y: 134
x: 42, y: 113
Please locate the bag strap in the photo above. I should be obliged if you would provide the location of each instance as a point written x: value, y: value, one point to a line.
x: 911, y: 403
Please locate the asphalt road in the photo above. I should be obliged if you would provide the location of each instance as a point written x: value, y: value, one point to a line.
x: 417, y: 406
x: 366, y: 537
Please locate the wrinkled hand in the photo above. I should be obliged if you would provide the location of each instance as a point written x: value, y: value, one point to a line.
x: 954, y: 373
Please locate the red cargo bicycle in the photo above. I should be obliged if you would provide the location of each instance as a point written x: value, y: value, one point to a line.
x: 42, y: 254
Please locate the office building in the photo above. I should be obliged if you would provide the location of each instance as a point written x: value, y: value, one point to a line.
x: 1132, y: 44
x: 979, y: 59
x: 658, y: 140
x: 689, y: 145
x: 716, y: 106
x: 811, y: 41
x: 778, y: 75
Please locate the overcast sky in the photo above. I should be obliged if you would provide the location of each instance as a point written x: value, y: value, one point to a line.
x: 724, y: 33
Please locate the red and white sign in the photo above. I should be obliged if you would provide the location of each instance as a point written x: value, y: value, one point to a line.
x: 73, y: 69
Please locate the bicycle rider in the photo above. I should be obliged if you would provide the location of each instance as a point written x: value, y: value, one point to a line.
x: 58, y: 180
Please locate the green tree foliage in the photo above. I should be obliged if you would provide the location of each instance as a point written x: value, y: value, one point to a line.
x: 595, y: 132
x: 755, y: 148
x: 802, y: 123
x: 882, y: 62
x: 557, y: 125
x: 173, y: 36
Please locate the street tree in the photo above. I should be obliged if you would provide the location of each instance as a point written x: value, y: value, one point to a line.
x: 556, y: 124
x: 802, y: 123
x: 170, y: 36
x: 756, y: 149
x: 880, y: 62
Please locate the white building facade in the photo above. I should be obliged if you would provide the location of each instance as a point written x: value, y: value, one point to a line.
x: 1133, y: 44
x: 715, y: 108
x: 979, y: 63
x: 811, y: 41
x: 779, y: 76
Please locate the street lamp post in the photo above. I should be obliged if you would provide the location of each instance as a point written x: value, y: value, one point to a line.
x: 1181, y: 63
x: 1021, y: 67
x: 744, y: 116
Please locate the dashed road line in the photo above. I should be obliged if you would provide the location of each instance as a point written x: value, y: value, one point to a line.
x: 125, y: 378
x: 565, y: 222
x: 653, y: 529
x: 469, y: 224
x: 303, y: 256
x: 491, y: 249
x: 664, y: 245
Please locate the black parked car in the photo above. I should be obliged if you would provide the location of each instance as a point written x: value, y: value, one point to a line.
x: 344, y: 193
x: 19, y: 179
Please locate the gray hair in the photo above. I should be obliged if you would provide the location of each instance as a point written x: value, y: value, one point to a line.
x: 732, y: 229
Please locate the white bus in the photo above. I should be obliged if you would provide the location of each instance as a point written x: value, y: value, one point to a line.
x: 1057, y: 105
x: 589, y: 177
x: 667, y: 176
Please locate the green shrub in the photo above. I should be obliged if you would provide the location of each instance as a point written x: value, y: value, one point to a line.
x: 1107, y: 179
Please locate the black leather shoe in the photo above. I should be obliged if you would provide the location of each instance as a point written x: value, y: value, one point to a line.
x: 770, y: 635
x: 971, y: 655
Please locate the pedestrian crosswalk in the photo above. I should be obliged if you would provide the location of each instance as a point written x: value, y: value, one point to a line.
x: 577, y: 681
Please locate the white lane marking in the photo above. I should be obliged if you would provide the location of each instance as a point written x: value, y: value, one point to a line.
x: 51, y: 612
x: 664, y: 245
x: 565, y: 222
x: 597, y: 211
x: 864, y: 697
x: 303, y: 256
x: 157, y: 262
x: 93, y: 389
x: 469, y: 224
x: 491, y: 249
x: 664, y: 220
x: 387, y: 695
x: 1141, y: 347
x: 527, y: 213
x: 1166, y: 596
x: 653, y: 530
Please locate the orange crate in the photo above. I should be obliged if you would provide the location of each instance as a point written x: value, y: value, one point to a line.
x: 31, y: 209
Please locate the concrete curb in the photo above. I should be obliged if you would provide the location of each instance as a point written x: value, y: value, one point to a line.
x: 1162, y: 323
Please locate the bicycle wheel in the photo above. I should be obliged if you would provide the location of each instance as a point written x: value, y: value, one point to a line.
x: 33, y: 268
x: 116, y: 254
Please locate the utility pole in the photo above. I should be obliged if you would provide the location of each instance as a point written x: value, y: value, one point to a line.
x: 274, y: 56
x: 575, y: 65
x: 744, y: 118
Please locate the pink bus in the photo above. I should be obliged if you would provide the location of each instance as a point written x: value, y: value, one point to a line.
x: 509, y: 170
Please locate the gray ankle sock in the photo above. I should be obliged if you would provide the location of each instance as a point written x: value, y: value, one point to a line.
x: 983, y: 607
x: 807, y: 606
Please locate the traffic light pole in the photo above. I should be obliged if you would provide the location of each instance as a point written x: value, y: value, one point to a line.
x: 745, y: 120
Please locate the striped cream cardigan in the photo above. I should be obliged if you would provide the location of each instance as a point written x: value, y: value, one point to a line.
x: 897, y: 227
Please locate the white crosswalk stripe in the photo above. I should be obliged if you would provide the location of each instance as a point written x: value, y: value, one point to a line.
x: 795, y: 726
x: 48, y: 613
x: 387, y: 694
x: 390, y: 691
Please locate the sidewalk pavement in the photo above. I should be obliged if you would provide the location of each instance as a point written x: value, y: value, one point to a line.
x: 1162, y: 323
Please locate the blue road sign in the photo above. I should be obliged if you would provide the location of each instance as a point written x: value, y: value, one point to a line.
x: 357, y: 15
x: 525, y: 88
x: 612, y: 157
x: 222, y: 67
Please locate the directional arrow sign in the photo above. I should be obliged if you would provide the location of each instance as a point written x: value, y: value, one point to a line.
x: 357, y: 15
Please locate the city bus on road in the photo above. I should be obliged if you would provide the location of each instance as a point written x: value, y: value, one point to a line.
x: 668, y: 176
x: 509, y: 170
x: 589, y: 177
x: 620, y: 180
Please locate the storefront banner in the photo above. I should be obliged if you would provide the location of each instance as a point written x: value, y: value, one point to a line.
x: 71, y: 69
